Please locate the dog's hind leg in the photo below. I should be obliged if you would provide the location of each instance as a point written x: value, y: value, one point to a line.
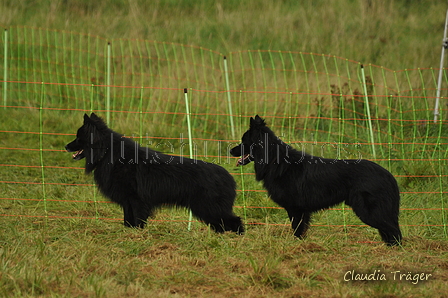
x: 223, y: 223
x: 391, y: 235
x: 381, y: 217
x: 219, y: 220
x: 300, y: 222
x: 233, y: 223
x: 389, y: 231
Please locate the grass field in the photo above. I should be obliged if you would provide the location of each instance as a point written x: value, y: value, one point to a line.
x: 73, y: 244
x: 395, y: 34
x: 79, y: 258
x: 61, y: 238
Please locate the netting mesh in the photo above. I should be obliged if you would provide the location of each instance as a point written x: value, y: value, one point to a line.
x: 318, y: 103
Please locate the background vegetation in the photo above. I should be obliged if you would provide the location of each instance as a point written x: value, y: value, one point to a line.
x: 61, y: 238
x: 396, y: 34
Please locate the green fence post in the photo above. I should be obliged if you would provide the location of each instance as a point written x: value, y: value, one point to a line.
x: 442, y: 58
x: 190, y: 142
x: 229, y: 101
x: 109, y: 50
x: 41, y: 156
x: 5, y: 69
x: 369, y: 118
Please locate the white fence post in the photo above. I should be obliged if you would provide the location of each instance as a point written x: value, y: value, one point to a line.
x: 439, y: 81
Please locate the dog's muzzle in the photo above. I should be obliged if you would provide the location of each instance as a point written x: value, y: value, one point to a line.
x: 244, y: 160
x: 78, y: 153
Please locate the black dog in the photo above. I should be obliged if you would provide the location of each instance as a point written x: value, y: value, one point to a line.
x: 140, y: 179
x: 302, y: 183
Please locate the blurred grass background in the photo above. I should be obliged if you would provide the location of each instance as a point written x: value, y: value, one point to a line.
x: 395, y: 34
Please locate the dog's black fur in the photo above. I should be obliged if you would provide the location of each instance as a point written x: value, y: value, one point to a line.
x: 140, y: 179
x: 303, y: 184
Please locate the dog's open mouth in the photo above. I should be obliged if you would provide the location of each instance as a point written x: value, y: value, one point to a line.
x: 244, y: 160
x: 77, y: 155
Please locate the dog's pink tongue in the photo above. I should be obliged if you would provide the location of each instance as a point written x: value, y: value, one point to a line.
x: 239, y: 161
x: 77, y: 153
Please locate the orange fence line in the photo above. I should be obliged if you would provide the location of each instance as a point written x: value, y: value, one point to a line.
x: 238, y: 190
x: 215, y: 91
x: 443, y: 121
x: 49, y: 183
x: 55, y: 200
x: 50, y: 167
x: 236, y: 206
x: 187, y: 221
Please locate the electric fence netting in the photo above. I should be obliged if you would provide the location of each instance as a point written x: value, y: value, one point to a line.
x: 326, y: 105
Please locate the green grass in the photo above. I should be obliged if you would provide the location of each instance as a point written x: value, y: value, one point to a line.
x: 388, y: 33
x: 79, y: 258
x: 61, y: 238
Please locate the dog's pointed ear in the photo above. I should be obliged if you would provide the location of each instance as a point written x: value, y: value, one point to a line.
x: 96, y: 119
x: 257, y: 121
x: 86, y: 118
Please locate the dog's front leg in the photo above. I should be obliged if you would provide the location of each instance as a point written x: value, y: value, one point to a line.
x: 300, y: 222
x: 129, y: 220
